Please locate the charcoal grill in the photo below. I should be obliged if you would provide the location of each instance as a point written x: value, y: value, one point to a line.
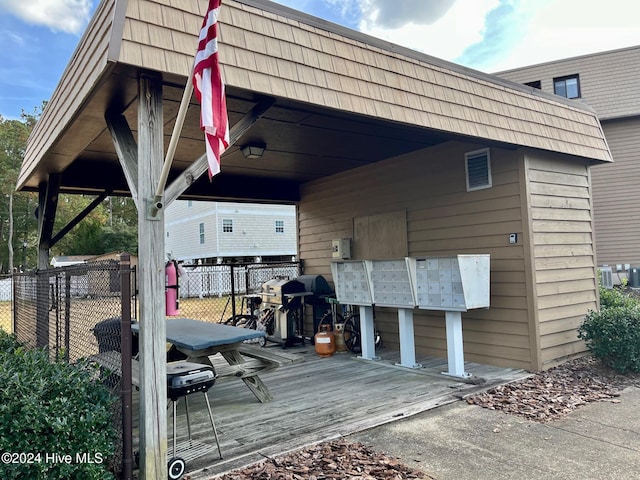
x: 184, y: 379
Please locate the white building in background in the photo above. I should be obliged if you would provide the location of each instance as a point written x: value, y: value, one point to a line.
x: 230, y: 232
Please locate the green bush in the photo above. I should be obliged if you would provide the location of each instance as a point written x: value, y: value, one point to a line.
x: 613, y: 336
x: 54, y: 417
x: 614, y: 297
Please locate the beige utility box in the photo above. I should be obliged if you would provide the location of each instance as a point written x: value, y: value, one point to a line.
x: 341, y: 249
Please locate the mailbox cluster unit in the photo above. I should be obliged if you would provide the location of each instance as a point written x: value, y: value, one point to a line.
x: 457, y: 283
x: 451, y: 284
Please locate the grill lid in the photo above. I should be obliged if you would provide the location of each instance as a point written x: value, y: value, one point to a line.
x: 184, y: 378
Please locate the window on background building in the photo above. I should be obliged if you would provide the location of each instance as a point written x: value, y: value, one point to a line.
x: 477, y: 165
x: 568, y: 86
x: 189, y: 203
x: 227, y: 225
x: 537, y: 84
x: 279, y: 226
x: 201, y: 227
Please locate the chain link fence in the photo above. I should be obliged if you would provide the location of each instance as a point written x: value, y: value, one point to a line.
x: 6, y: 296
x: 76, y: 313
x: 214, y: 292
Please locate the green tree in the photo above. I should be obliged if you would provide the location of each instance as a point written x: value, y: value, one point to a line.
x: 84, y: 238
x: 111, y: 226
x: 122, y: 210
x: 16, y: 222
x: 120, y: 238
x: 121, y: 231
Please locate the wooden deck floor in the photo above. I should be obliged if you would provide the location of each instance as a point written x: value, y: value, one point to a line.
x: 315, y: 399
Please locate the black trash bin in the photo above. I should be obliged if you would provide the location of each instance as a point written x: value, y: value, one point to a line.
x: 321, y: 290
x: 107, y: 333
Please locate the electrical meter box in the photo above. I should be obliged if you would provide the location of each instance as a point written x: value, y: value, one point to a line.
x: 391, y: 285
x: 351, y: 281
x: 341, y: 249
x: 456, y: 283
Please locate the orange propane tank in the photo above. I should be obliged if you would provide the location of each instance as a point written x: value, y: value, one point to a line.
x: 325, y: 341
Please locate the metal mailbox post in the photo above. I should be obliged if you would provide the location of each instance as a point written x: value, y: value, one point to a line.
x: 453, y: 284
x: 392, y: 286
x: 352, y: 285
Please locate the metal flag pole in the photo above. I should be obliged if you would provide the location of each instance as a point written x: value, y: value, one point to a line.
x: 173, y: 144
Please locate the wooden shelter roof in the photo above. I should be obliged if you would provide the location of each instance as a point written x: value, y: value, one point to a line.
x: 342, y: 99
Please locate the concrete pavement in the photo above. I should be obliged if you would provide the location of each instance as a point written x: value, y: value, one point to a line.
x: 458, y: 441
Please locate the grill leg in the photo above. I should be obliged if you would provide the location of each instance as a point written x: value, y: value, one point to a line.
x: 174, y: 427
x: 213, y: 425
x: 186, y: 407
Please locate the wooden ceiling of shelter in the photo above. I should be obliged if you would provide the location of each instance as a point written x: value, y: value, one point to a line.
x: 303, y: 143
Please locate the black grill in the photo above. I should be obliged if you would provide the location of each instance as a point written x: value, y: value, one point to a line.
x: 185, y: 378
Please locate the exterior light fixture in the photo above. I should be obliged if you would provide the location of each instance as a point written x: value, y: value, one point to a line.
x: 253, y: 151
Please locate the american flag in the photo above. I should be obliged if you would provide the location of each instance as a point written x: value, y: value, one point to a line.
x: 209, y: 89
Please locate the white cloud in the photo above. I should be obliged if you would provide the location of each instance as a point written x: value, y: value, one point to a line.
x: 495, y: 35
x: 398, y: 13
x: 562, y: 29
x: 446, y: 37
x: 68, y: 16
x: 11, y: 38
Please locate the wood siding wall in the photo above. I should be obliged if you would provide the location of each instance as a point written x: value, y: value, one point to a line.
x: 609, y: 84
x: 616, y: 195
x: 442, y: 219
x: 273, y: 50
x: 608, y: 80
x: 563, y: 252
x: 273, y: 54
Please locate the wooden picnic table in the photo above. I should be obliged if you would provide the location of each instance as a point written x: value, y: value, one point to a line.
x: 199, y: 340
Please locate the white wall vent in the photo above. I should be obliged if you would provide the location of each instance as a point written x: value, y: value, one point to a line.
x: 606, y: 277
x: 478, y: 169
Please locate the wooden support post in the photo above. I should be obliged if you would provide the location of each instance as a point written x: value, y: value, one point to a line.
x: 126, y: 149
x: 153, y: 368
x: 47, y: 206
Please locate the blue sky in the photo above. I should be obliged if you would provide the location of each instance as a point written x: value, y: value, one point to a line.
x: 38, y: 37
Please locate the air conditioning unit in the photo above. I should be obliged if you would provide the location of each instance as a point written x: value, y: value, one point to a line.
x: 634, y: 277
x: 606, y: 277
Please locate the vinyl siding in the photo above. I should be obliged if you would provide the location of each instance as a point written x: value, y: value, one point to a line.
x: 442, y: 219
x: 253, y: 230
x: 563, y: 252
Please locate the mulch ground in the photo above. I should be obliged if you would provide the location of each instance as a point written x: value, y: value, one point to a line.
x: 543, y: 397
x: 338, y: 459
x: 556, y: 392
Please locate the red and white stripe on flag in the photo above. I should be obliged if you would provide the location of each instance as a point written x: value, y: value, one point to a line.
x: 209, y: 89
